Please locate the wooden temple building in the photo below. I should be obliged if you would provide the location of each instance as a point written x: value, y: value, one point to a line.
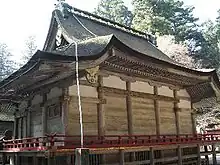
x: 137, y: 103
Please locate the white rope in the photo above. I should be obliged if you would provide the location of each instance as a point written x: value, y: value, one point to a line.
x: 78, y: 94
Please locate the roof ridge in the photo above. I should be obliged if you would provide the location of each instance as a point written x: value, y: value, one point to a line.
x: 119, y: 26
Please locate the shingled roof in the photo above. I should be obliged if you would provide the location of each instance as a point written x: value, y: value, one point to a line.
x: 81, y: 26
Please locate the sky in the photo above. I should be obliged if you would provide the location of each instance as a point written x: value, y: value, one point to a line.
x: 23, y: 18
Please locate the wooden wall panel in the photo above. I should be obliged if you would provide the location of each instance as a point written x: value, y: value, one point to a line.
x: 167, y: 118
x: 185, y: 104
x: 144, y: 87
x: 185, y: 121
x: 115, y: 116
x: 114, y: 82
x: 36, y: 121
x: 54, y: 92
x: 143, y: 116
x: 89, y: 118
x: 85, y: 91
x: 37, y: 99
x: 165, y: 91
x: 54, y: 125
x: 183, y: 93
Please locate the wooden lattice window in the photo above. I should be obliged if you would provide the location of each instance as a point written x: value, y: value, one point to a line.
x: 54, y: 110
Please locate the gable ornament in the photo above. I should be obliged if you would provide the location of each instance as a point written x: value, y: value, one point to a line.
x: 92, y: 75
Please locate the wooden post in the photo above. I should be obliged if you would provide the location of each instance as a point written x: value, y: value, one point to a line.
x: 176, y: 111
x: 193, y: 120
x: 100, y: 109
x: 35, y: 160
x: 51, y: 160
x: 152, y: 156
x: 129, y: 109
x: 206, y: 157
x: 198, y: 154
x: 29, y: 119
x: 82, y: 156
x: 4, y: 159
x: 44, y: 115
x: 65, y: 109
x: 179, y: 153
x: 15, y: 131
x: 157, y: 111
x: 214, y: 155
x: 122, y: 157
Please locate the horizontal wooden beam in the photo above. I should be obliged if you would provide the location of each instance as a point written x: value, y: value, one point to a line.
x: 115, y: 91
x: 89, y: 100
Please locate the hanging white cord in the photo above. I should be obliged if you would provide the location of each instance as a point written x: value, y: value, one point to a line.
x: 78, y: 93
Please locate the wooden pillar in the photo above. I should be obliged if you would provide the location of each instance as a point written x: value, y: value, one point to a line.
x: 122, y: 157
x: 4, y: 159
x: 15, y: 131
x: 28, y: 128
x: 21, y: 127
x: 51, y: 160
x: 82, y: 156
x: 157, y: 111
x: 152, y: 156
x: 176, y: 111
x: 206, y: 157
x: 179, y: 153
x: 214, y: 155
x: 193, y: 123
x: 65, y: 109
x: 129, y: 109
x: 34, y: 160
x: 44, y: 115
x: 100, y: 109
x: 198, y: 154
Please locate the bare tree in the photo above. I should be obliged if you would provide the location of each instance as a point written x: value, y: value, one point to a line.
x: 7, y: 66
x: 30, y: 49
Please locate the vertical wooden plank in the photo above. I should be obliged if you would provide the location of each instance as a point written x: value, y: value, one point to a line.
x: 28, y: 130
x: 152, y: 156
x: 179, y: 153
x: 15, y: 131
x: 82, y: 156
x: 65, y: 109
x: 129, y: 109
x: 214, y: 155
x: 193, y: 123
x: 100, y: 109
x: 44, y: 115
x: 198, y: 154
x: 21, y: 129
x: 157, y: 111
x: 206, y: 157
x: 122, y: 157
x: 176, y: 111
x: 3, y: 158
x: 35, y: 160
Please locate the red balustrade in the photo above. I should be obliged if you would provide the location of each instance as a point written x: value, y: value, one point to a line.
x: 71, y: 142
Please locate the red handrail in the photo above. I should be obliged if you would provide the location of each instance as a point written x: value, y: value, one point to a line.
x: 92, y: 141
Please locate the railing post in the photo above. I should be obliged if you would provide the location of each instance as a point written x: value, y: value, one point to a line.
x: 198, y: 154
x: 214, y: 155
x: 206, y: 157
x: 179, y: 150
x: 151, y: 156
x: 122, y: 157
x: 82, y: 156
